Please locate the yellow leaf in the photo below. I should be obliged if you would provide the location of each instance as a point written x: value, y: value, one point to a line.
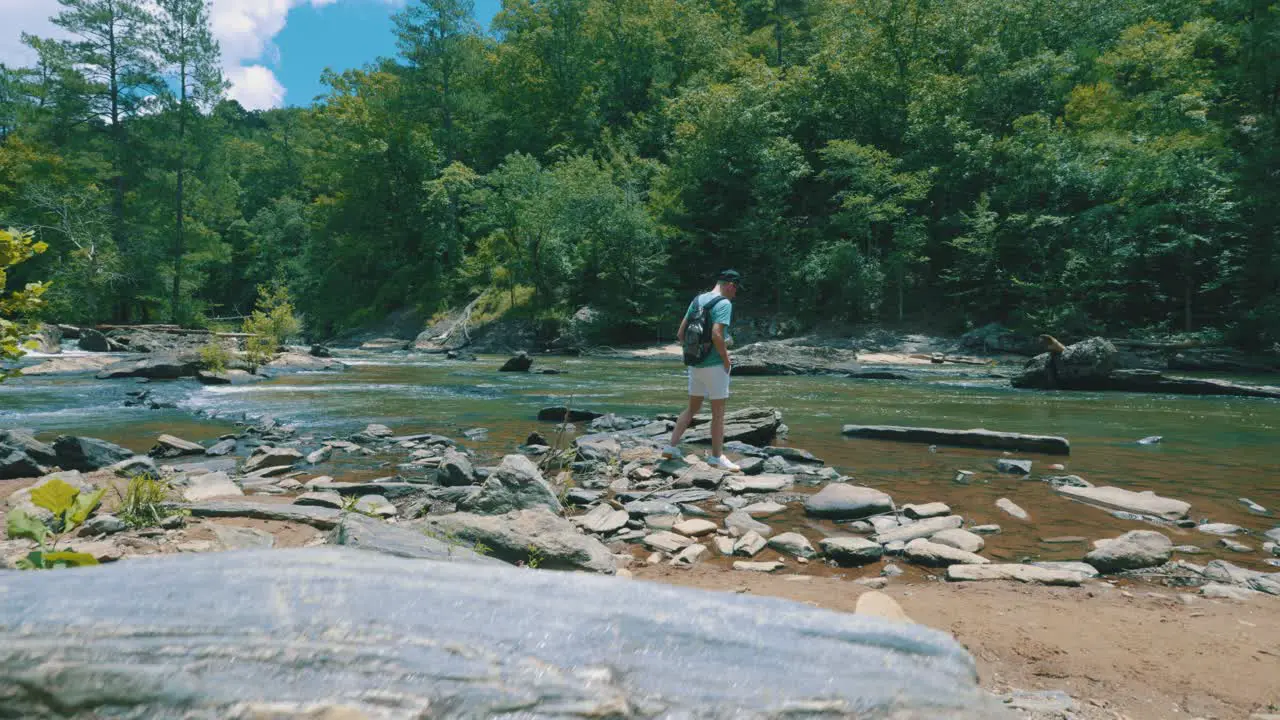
x: 55, y: 496
x: 70, y: 559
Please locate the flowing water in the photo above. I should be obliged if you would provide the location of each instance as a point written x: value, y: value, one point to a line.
x: 1215, y: 450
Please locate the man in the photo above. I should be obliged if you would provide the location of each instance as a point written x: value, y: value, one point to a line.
x: 709, y: 378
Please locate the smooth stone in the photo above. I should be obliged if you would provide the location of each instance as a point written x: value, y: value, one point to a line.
x: 985, y: 529
x: 318, y: 456
x: 220, y: 448
x: 959, y: 539
x: 842, y: 501
x: 1229, y: 573
x: 724, y: 545
x: 1012, y: 508
x: 851, y: 550
x: 523, y: 535
x: 1131, y: 551
x: 376, y: 505
x: 764, y: 509
x: 739, y: 523
x: 749, y: 545
x: 696, y: 527
x: 1219, y: 529
x: 1234, y: 546
x: 322, y: 498
x: 136, y: 465
x: 875, y: 583
x: 1143, y: 503
x: 1033, y: 574
x: 1080, y: 568
x: 242, y: 538
x: 758, y: 483
x: 876, y: 604
x: 764, y: 567
x: 1188, y: 549
x: 926, y: 510
x: 662, y: 522
x: 701, y: 476
x: 266, y: 456
x: 925, y: 552
x: 210, y: 485
x: 667, y: 541
x: 169, y: 446
x: 1227, y: 592
x: 885, y: 523
x: 375, y: 536
x: 793, y: 543
x: 920, y: 529
x: 603, y: 519
x: 690, y: 556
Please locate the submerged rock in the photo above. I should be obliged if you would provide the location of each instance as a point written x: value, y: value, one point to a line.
x: 841, y: 501
x: 1114, y: 498
x: 1131, y: 551
x: 519, y: 363
x: 851, y: 550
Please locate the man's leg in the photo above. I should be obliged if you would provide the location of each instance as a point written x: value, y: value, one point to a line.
x: 686, y: 419
x: 717, y: 427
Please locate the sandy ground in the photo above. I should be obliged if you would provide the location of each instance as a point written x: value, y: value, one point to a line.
x: 1131, y: 651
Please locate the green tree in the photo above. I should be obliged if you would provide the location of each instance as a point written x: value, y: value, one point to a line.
x: 15, y: 305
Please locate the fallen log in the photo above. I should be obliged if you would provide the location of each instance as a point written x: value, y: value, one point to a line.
x: 976, y: 437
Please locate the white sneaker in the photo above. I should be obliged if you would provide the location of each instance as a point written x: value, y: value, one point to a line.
x: 723, y: 463
x: 672, y: 451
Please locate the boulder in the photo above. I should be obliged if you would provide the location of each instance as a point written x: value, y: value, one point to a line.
x: 1114, y: 498
x: 375, y: 505
x: 1085, y: 365
x: 456, y: 469
x: 792, y: 543
x: 749, y: 545
x: 517, y: 484
x: 296, y: 361
x: 1021, y: 573
x: 156, y: 367
x: 926, y: 510
x: 16, y: 464
x: 839, y: 501
x: 265, y: 456
x: 1131, y: 551
x: 920, y: 529
x: 228, y: 377
x: 520, y: 363
x: 87, y: 454
x: 851, y: 550
x: 931, y: 554
x: 168, y: 446
x: 208, y: 486
x: 755, y: 426
x: 1012, y: 508
x: 959, y: 539
x: 1013, y: 467
x: 220, y: 448
x: 598, y: 448
x: 604, y: 519
x: 93, y: 341
x: 532, y: 535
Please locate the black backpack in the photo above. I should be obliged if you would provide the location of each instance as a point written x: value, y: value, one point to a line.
x: 697, y: 333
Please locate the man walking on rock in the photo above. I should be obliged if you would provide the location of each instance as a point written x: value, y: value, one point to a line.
x: 702, y: 336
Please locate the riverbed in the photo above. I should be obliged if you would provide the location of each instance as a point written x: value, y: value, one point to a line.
x: 1214, y: 450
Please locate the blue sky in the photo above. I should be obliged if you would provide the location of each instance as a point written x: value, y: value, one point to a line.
x: 273, y: 51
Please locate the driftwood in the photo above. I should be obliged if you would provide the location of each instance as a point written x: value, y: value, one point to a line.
x: 174, y: 330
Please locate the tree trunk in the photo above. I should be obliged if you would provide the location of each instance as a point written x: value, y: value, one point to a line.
x: 117, y: 130
x: 178, y: 248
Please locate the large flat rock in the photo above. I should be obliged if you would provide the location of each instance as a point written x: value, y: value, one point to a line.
x: 1114, y: 498
x: 232, y: 634
x: 1012, y: 571
x: 366, y: 533
x: 318, y: 517
x: 977, y: 437
x: 755, y: 426
x: 533, y: 536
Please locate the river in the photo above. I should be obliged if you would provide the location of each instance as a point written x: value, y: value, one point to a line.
x: 1215, y: 450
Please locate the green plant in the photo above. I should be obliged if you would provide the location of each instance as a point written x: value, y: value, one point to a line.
x: 535, y: 556
x: 16, y: 247
x: 269, y: 325
x: 215, y: 357
x: 70, y: 508
x: 144, y: 502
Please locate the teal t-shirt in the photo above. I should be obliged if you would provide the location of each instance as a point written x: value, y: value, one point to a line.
x: 722, y: 313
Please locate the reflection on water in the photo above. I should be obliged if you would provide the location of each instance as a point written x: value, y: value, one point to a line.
x: 1215, y: 450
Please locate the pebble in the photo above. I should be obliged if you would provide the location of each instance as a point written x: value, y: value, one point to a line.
x: 1253, y: 506
x: 985, y: 529
x: 963, y: 476
x: 1010, y: 507
x: 757, y: 566
x: 1234, y: 546
x: 1219, y: 529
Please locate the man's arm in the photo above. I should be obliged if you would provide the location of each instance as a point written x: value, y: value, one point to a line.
x: 717, y: 339
x: 680, y: 333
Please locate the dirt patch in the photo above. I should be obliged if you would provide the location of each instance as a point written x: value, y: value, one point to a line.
x: 1133, y: 651
x: 287, y: 534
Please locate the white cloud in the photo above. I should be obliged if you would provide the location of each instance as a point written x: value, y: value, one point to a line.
x: 243, y: 28
x: 255, y: 87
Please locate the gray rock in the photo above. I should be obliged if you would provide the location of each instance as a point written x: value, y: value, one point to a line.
x: 758, y: 483
x: 265, y: 456
x: 739, y: 523
x: 1188, y: 549
x: 964, y: 438
x: 1220, y: 529
x: 1143, y: 503
x: 1012, y: 508
x: 1234, y: 546
x: 921, y: 529
x: 1227, y: 592
x: 690, y: 556
x: 1084, y: 569
x: 792, y: 543
x: 795, y: 455
x: 1057, y: 481
x: 749, y: 545
x: 166, y: 366
x: 168, y: 446
x: 1013, y: 467
x: 894, y: 548
x: 695, y: 528
x: 105, y: 524
x: 597, y: 448
x: 765, y: 567
x: 526, y: 536
x: 851, y: 550
x: 926, y: 510
x: 516, y: 485
x: 645, y: 508
x: 210, y: 485
x: 136, y: 465
x: 1051, y: 703
x: 228, y: 377
x: 1273, y: 534
x: 1033, y: 574
x: 891, y: 570
x: 764, y: 509
x: 985, y: 529
x: 519, y: 363
x: 1131, y: 551
x: 16, y: 464
x: 885, y: 523
x: 700, y: 476
x: 25, y: 442
x: 751, y: 465
x: 320, y: 498
x: 242, y: 538
x: 220, y: 448
x: 371, y: 534
x: 724, y: 545
x: 323, y: 518
x: 386, y: 487
x: 667, y: 541
x: 321, y: 455
x: 755, y: 426
x: 662, y: 522
x: 377, y: 430
x: 959, y: 539
x: 375, y: 505
x: 86, y: 454
x: 931, y: 554
x: 602, y: 519
x: 847, y: 502
x: 582, y: 496
x: 1253, y: 506
x: 1228, y: 573
x: 875, y: 583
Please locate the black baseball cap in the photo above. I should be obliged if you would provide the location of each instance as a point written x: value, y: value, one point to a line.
x: 732, y: 276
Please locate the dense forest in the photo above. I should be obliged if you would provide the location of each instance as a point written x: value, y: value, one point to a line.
x: 1068, y: 165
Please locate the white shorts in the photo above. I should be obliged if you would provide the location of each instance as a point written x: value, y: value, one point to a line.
x: 711, y: 383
